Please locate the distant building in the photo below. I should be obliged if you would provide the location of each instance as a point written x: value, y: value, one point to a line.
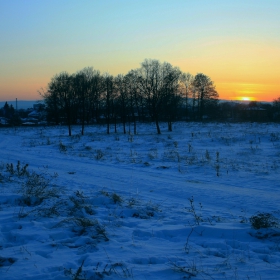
x: 4, y: 121
x: 39, y: 106
x: 34, y: 114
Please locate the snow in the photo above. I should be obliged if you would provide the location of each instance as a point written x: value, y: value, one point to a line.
x: 145, y: 206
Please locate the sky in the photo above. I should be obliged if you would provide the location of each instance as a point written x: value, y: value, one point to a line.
x: 235, y: 43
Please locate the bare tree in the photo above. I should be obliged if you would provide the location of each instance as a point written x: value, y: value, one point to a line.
x: 187, y: 90
x: 88, y: 86
x: 122, y: 99
x: 109, y: 99
x: 134, y: 96
x: 95, y: 96
x: 60, y: 93
x: 172, y: 89
x: 205, y: 91
x: 149, y: 84
x: 80, y: 85
x: 159, y: 84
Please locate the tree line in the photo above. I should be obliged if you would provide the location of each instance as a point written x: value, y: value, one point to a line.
x: 155, y: 91
x: 9, y: 113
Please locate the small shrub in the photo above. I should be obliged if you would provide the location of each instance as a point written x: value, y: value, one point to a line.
x: 145, y: 215
x: 47, y: 210
x: 36, y: 189
x: 79, y: 203
x: 153, y: 154
x: 116, y: 198
x: 263, y: 220
x: 105, y: 193
x: 62, y: 147
x: 197, y: 217
x: 19, y: 171
x: 207, y: 155
x: 98, y: 154
x: 132, y: 202
x: 274, y: 137
x: 53, y: 210
x: 85, y: 226
x: 146, y: 211
x: 7, y: 261
x: 78, y: 275
x: 187, y: 268
x: 88, y: 148
x: 10, y: 168
x: 118, y: 269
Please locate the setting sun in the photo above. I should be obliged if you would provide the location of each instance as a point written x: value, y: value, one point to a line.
x: 246, y: 98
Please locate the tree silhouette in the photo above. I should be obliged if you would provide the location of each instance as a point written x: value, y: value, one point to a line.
x: 159, y: 84
x: 156, y: 91
x: 205, y: 93
x: 60, y: 96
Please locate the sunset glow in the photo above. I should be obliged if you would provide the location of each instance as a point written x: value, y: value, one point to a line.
x: 244, y: 98
x: 235, y: 43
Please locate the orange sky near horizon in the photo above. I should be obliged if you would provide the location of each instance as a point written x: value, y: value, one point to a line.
x: 28, y: 90
x: 253, y: 92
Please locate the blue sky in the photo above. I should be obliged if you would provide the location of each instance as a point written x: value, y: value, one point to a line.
x: 236, y: 43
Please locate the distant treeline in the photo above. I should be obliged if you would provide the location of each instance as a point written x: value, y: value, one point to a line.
x: 156, y: 92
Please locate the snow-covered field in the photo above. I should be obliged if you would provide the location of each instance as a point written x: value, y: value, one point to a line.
x: 145, y: 206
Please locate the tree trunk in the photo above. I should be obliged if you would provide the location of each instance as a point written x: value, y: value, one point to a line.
x: 124, y: 128
x: 157, y: 125
x: 108, y: 126
x: 169, y: 125
x: 69, y: 129
x: 201, y: 109
x: 134, y: 122
x: 68, y: 113
x: 129, y: 125
x: 83, y: 123
x: 193, y: 108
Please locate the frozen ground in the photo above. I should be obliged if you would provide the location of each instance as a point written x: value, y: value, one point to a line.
x: 145, y: 206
